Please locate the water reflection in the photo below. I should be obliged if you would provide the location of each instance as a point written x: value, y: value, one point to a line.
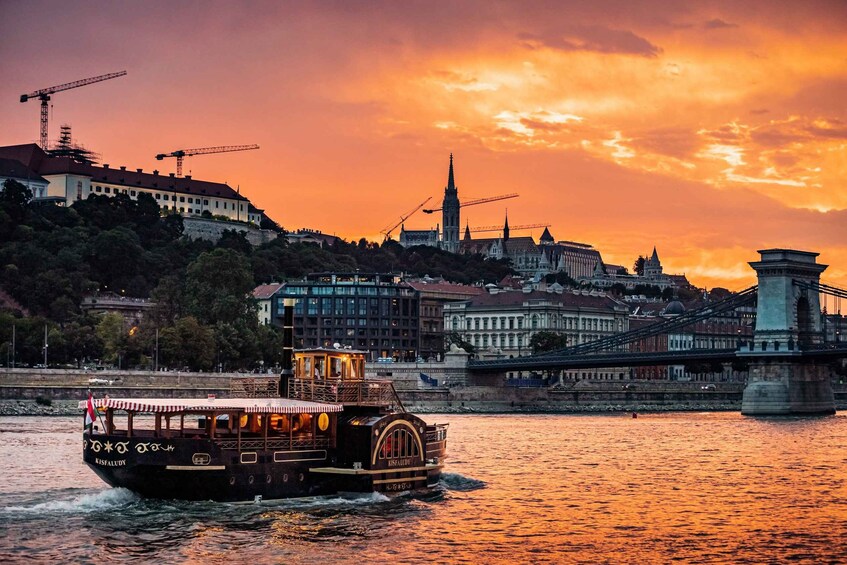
x: 542, y: 489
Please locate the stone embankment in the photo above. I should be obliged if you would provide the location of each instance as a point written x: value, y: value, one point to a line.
x: 57, y: 393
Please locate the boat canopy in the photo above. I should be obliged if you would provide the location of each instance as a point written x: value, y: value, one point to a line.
x: 246, y: 405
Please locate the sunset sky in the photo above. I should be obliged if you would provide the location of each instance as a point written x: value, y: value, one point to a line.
x: 708, y: 129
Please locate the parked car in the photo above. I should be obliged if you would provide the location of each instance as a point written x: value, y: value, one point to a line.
x: 385, y: 360
x: 100, y: 382
x: 708, y: 387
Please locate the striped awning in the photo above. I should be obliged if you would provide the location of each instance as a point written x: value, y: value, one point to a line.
x: 247, y: 405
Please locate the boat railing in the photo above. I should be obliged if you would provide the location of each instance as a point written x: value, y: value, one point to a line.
x: 283, y: 443
x: 351, y: 393
x: 254, y: 387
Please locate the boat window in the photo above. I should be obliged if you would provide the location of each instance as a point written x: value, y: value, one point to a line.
x: 400, y: 443
x: 280, y: 423
x: 251, y: 423
x: 302, y: 423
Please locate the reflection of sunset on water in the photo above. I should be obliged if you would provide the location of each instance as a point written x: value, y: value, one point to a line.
x: 708, y: 130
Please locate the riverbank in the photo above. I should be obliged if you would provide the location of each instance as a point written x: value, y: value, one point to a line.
x: 71, y: 408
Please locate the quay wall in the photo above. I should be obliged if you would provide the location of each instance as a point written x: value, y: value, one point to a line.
x: 34, y: 392
x: 212, y: 230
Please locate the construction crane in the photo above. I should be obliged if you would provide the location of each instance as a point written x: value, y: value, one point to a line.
x: 181, y: 153
x: 511, y: 228
x: 44, y: 96
x: 387, y: 231
x: 478, y: 201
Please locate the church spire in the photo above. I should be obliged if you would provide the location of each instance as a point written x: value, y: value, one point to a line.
x: 506, y: 228
x: 467, y: 232
x: 451, y: 184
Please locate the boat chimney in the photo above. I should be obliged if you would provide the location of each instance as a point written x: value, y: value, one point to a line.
x: 287, y: 345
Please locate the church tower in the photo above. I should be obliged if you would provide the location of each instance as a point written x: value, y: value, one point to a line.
x: 450, y: 214
x: 506, y: 228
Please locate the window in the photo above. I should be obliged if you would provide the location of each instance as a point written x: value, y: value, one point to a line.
x: 181, y: 209
x: 216, y: 203
x: 132, y: 193
x: 97, y: 189
x: 190, y: 200
x: 107, y: 190
x: 205, y: 202
x: 182, y: 199
x: 158, y: 196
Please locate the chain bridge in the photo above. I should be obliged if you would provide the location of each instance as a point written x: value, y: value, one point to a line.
x: 790, y: 363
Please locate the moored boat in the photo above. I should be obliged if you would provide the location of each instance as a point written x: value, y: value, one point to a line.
x: 321, y: 429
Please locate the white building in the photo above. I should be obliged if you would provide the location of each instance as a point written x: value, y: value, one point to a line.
x: 505, y: 321
x: 263, y: 294
x: 72, y: 181
x: 17, y: 171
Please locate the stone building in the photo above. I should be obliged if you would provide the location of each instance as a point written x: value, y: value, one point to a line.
x: 69, y: 181
x: 433, y: 296
x: 505, y: 321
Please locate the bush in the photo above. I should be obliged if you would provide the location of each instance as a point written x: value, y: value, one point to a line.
x: 42, y: 401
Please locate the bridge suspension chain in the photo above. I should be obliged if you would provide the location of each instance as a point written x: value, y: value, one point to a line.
x: 822, y: 288
x: 742, y: 298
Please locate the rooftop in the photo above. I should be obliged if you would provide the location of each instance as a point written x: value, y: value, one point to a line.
x: 32, y: 156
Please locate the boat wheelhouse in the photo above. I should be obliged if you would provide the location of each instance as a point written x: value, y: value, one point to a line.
x: 330, y: 431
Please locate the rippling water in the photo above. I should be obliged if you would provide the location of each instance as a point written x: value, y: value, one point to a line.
x: 694, y: 488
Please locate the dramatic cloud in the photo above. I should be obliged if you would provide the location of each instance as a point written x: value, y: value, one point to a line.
x: 591, y: 38
x: 708, y: 129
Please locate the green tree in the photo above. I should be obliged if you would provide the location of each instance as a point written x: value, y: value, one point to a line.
x: 111, y: 332
x: 547, y: 341
x: 187, y: 344
x: 638, y: 266
x: 219, y: 287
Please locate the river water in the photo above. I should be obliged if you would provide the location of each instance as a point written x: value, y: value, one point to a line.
x: 687, y: 487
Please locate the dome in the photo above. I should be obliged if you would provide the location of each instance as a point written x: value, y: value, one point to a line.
x: 675, y: 308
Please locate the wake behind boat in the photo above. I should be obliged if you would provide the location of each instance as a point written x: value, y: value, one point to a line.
x: 323, y: 430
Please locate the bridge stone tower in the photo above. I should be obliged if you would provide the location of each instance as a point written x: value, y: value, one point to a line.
x: 788, y: 321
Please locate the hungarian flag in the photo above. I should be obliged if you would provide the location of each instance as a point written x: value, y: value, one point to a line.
x: 90, y: 414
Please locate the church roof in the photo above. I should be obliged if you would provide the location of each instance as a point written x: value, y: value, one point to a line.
x: 546, y: 237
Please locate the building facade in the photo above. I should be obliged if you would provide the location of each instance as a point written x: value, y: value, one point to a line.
x: 505, y: 321
x: 377, y: 313
x: 433, y: 296
x: 17, y: 171
x: 73, y: 181
x: 266, y: 305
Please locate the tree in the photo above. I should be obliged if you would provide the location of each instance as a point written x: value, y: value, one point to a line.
x: 219, y: 287
x: 14, y: 204
x: 111, y: 332
x: 638, y: 267
x: 547, y: 341
x: 187, y: 344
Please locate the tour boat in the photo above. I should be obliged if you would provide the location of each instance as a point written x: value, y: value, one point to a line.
x: 322, y: 429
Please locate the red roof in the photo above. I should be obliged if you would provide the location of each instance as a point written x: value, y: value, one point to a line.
x: 266, y: 291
